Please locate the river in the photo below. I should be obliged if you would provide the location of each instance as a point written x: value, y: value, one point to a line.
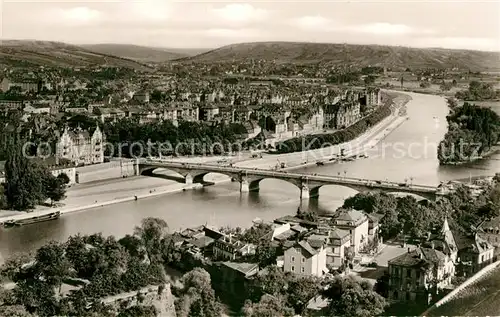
x: 407, y: 153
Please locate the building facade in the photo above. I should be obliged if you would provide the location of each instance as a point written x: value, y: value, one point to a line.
x: 356, y: 223
x: 229, y: 248
x: 80, y: 147
x: 302, y: 258
x: 339, y: 242
x: 419, y: 275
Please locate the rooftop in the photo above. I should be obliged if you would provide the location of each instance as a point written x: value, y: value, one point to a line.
x: 242, y: 267
x: 351, y: 215
x: 423, y: 257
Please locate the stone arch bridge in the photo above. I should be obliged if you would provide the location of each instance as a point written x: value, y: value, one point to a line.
x: 309, y: 184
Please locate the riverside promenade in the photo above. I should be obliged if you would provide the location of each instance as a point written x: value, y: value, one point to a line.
x: 82, y: 197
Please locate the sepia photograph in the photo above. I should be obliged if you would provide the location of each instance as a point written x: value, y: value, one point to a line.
x: 255, y: 158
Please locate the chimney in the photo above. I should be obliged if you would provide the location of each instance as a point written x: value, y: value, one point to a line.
x: 408, y: 250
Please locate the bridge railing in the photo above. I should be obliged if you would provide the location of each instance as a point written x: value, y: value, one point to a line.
x: 317, y: 177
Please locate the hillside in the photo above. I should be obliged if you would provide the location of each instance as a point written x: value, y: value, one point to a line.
x: 362, y: 55
x: 45, y: 53
x: 142, y: 53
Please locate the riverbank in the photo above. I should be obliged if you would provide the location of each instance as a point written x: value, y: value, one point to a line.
x: 94, y: 195
x: 493, y: 150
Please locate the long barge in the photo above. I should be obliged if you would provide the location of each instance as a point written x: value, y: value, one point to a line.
x: 28, y: 221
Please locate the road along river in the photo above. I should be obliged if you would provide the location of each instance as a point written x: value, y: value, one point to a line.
x: 407, y: 153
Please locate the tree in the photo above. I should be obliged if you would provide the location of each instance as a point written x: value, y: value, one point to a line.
x: 351, y: 297
x: 152, y: 232
x: 55, y: 187
x: 3, y: 201
x: 273, y: 283
x: 256, y: 233
x: 14, y: 311
x: 489, y: 210
x: 51, y: 264
x: 133, y: 245
x: 369, y: 80
x: 265, y: 254
x: 300, y: 291
x: 378, y: 202
x: 37, y: 296
x: 267, y: 306
x: 196, y: 297
x: 24, y: 186
x: 138, y: 311
x: 63, y: 177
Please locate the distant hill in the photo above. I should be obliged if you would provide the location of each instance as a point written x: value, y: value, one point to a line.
x: 362, y: 55
x: 45, y: 53
x: 143, y: 53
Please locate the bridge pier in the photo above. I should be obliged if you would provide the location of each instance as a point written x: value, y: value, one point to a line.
x: 137, y: 170
x: 247, y: 186
x: 307, y: 192
x: 188, y: 179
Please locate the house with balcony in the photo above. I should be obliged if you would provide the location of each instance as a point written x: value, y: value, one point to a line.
x: 474, y: 253
x: 357, y: 224
x: 419, y: 275
x: 339, y: 243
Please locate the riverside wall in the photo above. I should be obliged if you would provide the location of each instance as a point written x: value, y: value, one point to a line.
x: 104, y: 171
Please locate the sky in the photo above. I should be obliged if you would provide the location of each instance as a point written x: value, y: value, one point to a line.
x: 208, y: 24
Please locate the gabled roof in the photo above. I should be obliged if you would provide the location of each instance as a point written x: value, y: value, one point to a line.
x: 338, y: 234
x: 420, y: 257
x: 307, y: 247
x: 245, y: 268
x: 351, y: 215
x: 317, y: 241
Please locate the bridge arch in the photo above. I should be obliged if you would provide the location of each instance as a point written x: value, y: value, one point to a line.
x: 314, y: 189
x: 252, y: 183
x: 199, y: 176
x: 149, y: 170
x: 182, y: 175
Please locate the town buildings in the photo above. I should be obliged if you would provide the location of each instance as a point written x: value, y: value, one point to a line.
x: 26, y: 85
x: 474, y: 253
x: 490, y: 231
x: 356, y: 223
x: 229, y: 248
x: 80, y: 147
x: 339, y: 244
x: 307, y: 257
x: 419, y: 274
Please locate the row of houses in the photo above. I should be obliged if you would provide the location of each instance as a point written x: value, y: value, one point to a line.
x: 306, y: 248
x: 420, y: 275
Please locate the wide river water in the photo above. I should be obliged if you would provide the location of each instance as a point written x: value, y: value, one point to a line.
x: 407, y: 153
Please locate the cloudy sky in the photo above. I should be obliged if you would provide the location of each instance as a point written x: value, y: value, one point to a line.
x: 206, y: 24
